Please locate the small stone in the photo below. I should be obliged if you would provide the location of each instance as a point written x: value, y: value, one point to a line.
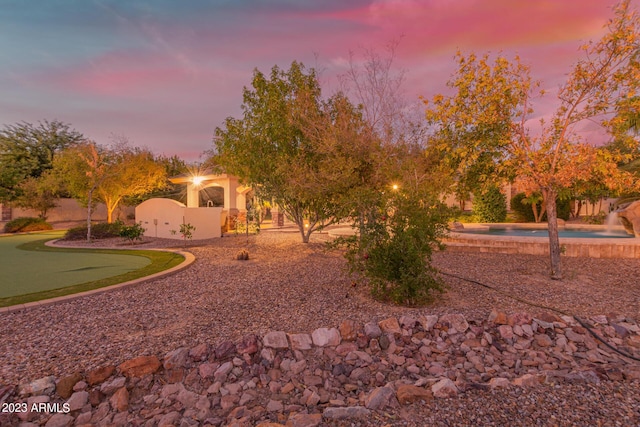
x: 304, y: 420
x: 348, y: 330
x: 390, y: 326
x: 224, y: 350
x: 408, y: 393
x: 497, y: 317
x: 543, y: 340
x: 378, y: 398
x: 527, y: 380
x: 110, y: 387
x: 408, y: 322
x: 200, y: 352
x: 64, y: 387
x: 506, y: 332
x: 444, y: 388
x: 78, y: 400
x: 60, y: 420
x: 80, y: 386
x: 600, y: 319
x: 176, y: 358
x: 519, y: 319
x: 499, y: 383
x: 428, y: 322
x: 229, y: 401
x: 169, y: 419
x: 456, y: 321
x: 372, y: 330
x: 346, y: 413
x: 120, y: 400
x: 206, y: 370
x: 277, y: 339
x: 248, y: 345
x: 323, y: 337
x: 571, y: 335
x: 275, y: 406
x: 140, y: 366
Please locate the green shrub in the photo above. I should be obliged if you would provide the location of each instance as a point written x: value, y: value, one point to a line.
x: 598, y: 218
x: 25, y: 224
x: 101, y: 230
x: 563, y: 209
x: 522, y: 210
x: 132, y: 232
x: 490, y: 205
x: 393, y: 251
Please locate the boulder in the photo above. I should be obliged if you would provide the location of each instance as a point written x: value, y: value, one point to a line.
x: 630, y: 218
x: 140, y: 366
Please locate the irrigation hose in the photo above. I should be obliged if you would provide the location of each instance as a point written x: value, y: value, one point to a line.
x: 564, y: 313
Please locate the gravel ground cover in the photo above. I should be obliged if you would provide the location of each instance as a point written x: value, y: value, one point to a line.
x: 293, y: 287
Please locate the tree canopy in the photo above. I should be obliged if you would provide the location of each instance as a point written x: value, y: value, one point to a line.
x: 28, y: 150
x: 484, y: 129
x: 295, y: 148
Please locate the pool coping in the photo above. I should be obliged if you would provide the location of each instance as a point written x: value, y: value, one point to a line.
x: 601, y: 247
x: 189, y: 258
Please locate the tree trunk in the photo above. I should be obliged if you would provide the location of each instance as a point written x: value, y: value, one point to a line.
x: 554, y: 241
x: 110, y: 214
x: 89, y: 202
x: 304, y: 233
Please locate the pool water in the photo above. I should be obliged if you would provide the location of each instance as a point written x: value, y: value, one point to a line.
x: 523, y: 232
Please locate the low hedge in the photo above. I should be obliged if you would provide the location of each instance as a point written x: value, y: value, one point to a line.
x: 101, y: 230
x: 25, y: 224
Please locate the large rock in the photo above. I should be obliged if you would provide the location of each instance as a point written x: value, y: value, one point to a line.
x: 176, y: 358
x: 64, y: 387
x: 300, y: 341
x: 348, y: 330
x: 390, y: 326
x: 444, y: 388
x: 630, y: 218
x: 60, y: 420
x: 98, y: 375
x: 323, y: 337
x: 40, y: 386
x: 455, y: 321
x: 379, y: 398
x: 78, y: 400
x: 140, y: 366
x: 120, y: 400
x: 408, y: 393
x: 276, y: 339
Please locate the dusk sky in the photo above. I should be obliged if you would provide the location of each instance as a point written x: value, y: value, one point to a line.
x: 165, y: 73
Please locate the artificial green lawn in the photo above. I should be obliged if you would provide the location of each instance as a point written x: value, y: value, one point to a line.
x: 31, y: 271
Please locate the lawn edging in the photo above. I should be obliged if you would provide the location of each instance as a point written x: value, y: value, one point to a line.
x: 189, y: 258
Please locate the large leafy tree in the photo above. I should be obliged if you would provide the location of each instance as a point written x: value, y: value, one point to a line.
x: 82, y: 169
x: 282, y: 146
x: 486, y: 119
x: 28, y: 150
x: 132, y: 172
x: 91, y: 172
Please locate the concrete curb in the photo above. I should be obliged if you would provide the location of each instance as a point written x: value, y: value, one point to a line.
x: 189, y: 258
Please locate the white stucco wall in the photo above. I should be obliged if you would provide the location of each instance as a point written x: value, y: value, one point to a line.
x: 160, y: 216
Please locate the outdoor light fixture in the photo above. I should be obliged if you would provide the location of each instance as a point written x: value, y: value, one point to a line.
x: 197, y: 180
x: 395, y: 187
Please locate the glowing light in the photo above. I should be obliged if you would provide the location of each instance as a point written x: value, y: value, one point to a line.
x: 395, y: 187
x: 197, y: 180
